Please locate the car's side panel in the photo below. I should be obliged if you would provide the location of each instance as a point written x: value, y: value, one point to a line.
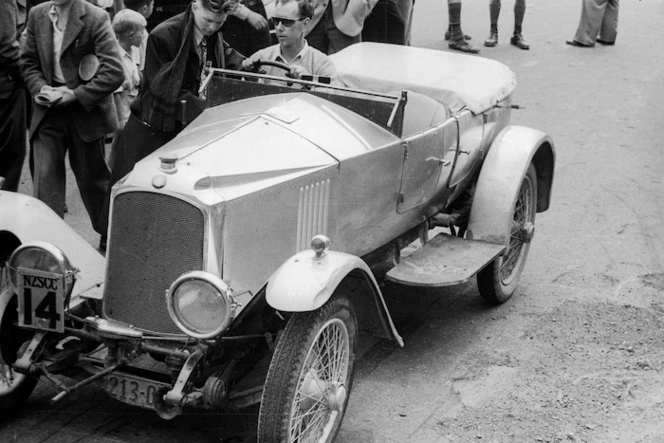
x: 503, y: 171
x: 471, y: 130
x: 366, y: 212
x: 30, y: 219
x: 264, y: 228
x: 422, y: 165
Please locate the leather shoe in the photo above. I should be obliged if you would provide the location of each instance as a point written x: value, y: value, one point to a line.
x: 463, y: 46
x: 448, y: 35
x: 492, y: 40
x: 578, y: 44
x: 518, y: 41
x: 606, y: 43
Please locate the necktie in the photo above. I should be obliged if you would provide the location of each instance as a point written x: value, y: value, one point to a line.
x: 203, y: 54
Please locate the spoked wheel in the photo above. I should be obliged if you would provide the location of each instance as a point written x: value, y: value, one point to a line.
x: 310, y: 376
x: 497, y: 282
x: 15, y: 388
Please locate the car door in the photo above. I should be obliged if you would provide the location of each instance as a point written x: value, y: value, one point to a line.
x: 423, y: 162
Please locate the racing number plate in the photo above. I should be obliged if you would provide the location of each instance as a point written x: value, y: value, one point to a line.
x: 136, y: 391
x: 41, y: 300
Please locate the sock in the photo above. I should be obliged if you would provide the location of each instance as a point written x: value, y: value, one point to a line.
x: 454, y: 10
x: 519, y: 12
x: 494, y: 13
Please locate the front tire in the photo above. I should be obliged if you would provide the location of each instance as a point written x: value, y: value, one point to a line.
x: 310, y: 376
x: 15, y: 388
x: 498, y: 281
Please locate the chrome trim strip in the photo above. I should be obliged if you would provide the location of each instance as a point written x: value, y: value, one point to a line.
x: 313, y: 213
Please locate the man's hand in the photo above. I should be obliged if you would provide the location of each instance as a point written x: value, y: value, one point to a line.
x: 298, y: 72
x: 68, y: 96
x: 256, y: 20
x: 48, y: 96
x: 247, y: 64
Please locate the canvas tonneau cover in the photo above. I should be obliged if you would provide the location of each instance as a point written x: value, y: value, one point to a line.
x: 457, y: 80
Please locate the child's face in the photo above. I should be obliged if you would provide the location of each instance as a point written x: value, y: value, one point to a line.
x: 136, y: 36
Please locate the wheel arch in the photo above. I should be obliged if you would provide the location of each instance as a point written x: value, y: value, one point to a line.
x: 8, y: 244
x: 305, y: 283
x: 503, y: 170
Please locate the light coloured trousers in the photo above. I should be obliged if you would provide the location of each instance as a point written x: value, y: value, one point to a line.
x: 599, y: 19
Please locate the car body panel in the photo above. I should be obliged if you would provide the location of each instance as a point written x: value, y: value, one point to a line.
x: 503, y: 171
x: 31, y: 220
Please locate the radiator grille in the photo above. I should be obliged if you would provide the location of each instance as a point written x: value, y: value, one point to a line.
x: 312, y: 212
x: 154, y: 239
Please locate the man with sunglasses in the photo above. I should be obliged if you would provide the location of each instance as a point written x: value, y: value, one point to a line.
x: 291, y: 21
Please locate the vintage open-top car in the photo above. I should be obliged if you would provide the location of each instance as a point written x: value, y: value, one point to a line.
x: 245, y: 256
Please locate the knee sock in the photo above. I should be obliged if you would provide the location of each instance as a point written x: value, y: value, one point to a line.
x: 519, y: 12
x: 494, y: 13
x: 454, y: 10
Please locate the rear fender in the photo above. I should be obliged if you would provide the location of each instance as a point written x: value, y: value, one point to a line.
x: 25, y: 219
x: 305, y: 283
x: 503, y: 170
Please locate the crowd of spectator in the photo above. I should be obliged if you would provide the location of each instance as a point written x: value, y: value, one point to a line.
x: 76, y: 74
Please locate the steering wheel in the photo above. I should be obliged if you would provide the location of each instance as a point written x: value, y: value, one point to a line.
x: 259, y: 63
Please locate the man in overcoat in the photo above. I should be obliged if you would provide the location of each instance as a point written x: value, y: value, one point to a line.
x: 71, y: 65
x: 12, y: 98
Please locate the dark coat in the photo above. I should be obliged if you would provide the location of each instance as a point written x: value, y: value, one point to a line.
x: 163, y: 48
x: 88, y: 32
x: 10, y: 74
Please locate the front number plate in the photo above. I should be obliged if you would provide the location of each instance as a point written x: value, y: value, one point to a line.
x: 41, y: 300
x: 136, y: 391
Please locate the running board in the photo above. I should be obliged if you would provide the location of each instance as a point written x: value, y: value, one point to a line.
x: 445, y: 260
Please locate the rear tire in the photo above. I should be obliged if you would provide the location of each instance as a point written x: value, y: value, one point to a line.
x: 310, y: 376
x: 498, y: 280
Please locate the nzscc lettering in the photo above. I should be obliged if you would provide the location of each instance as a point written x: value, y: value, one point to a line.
x: 40, y: 282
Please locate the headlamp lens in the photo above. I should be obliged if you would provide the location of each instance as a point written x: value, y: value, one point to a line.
x: 201, y: 305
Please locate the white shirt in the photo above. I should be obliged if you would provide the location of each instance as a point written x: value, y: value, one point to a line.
x: 58, y: 35
x: 310, y: 58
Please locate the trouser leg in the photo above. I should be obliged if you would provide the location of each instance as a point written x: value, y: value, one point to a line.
x: 494, y: 13
x: 92, y: 175
x: 519, y: 12
x: 48, y: 151
x: 454, y: 10
x: 608, y: 30
x: 12, y: 138
x: 337, y: 39
x: 406, y: 10
x: 592, y: 12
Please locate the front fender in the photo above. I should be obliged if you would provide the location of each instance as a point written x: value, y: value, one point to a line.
x: 305, y: 283
x: 503, y: 170
x: 25, y: 219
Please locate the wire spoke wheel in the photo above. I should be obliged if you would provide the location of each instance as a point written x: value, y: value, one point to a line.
x: 307, y: 385
x: 498, y: 281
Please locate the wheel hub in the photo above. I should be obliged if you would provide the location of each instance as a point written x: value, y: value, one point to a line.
x: 313, y: 389
x: 527, y: 232
x: 336, y: 397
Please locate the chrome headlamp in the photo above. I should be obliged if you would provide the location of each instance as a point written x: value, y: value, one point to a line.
x: 200, y: 304
x: 41, y: 256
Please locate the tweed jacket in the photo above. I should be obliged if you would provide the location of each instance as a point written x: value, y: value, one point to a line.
x: 348, y: 15
x: 88, y: 32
